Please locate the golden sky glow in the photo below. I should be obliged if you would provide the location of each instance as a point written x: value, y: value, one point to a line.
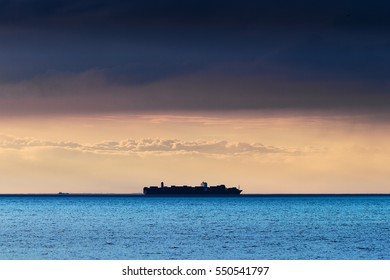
x: 262, y: 154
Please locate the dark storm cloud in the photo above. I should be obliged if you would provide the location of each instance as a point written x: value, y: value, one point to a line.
x: 245, y: 12
x: 93, y: 56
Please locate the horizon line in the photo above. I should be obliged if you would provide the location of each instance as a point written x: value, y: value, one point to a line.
x: 141, y: 194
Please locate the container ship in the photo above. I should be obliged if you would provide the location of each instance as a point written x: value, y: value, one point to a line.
x: 202, y: 190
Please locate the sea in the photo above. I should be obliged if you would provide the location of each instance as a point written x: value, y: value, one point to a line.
x: 195, y: 228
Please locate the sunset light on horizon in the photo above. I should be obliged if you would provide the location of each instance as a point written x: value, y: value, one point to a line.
x: 121, y: 154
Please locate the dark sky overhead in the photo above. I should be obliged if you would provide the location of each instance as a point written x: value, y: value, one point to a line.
x: 125, y: 56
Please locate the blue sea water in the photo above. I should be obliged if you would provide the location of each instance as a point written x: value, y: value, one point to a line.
x: 245, y: 227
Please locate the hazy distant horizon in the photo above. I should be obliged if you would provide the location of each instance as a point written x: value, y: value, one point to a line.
x: 186, y: 196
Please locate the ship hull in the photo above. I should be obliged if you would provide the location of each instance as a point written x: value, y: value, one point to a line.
x: 191, y: 191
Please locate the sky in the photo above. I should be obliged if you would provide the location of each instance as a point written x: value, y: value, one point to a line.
x: 272, y: 96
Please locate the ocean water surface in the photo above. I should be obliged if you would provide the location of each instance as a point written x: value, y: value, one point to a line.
x: 245, y: 227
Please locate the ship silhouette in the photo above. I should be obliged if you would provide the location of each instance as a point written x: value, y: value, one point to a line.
x: 202, y: 190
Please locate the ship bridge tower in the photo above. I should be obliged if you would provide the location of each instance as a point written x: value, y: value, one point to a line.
x: 204, y: 185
